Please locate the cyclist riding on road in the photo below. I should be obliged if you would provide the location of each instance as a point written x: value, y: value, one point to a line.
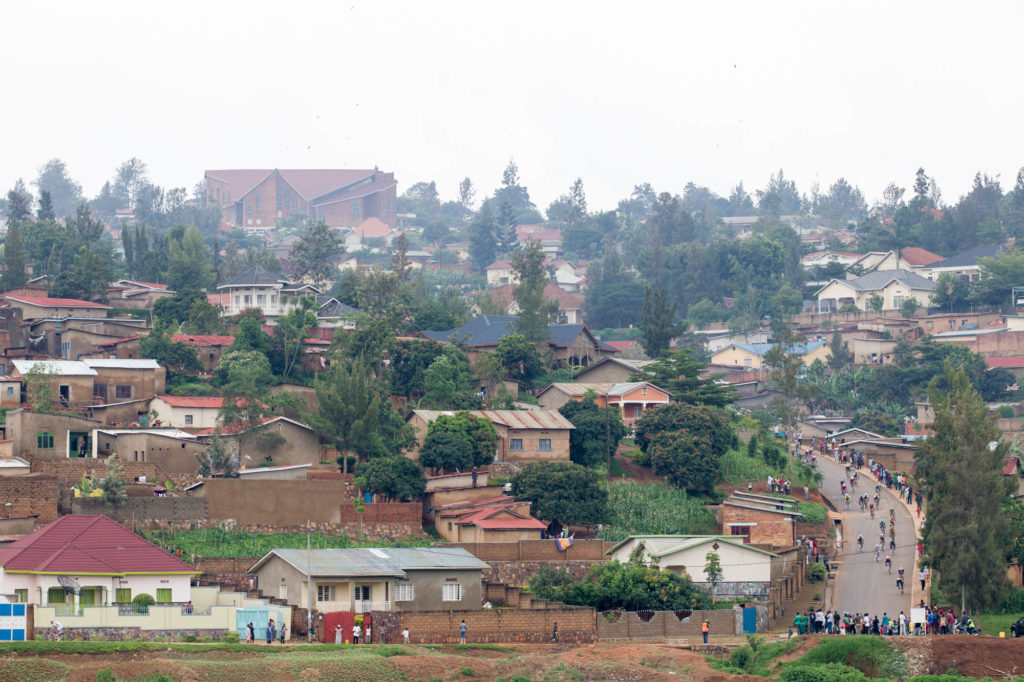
x: 888, y: 563
x: 860, y: 543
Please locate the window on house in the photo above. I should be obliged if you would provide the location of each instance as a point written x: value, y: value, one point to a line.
x: 362, y: 593
x: 55, y: 595
x: 638, y: 411
x: 248, y: 208
x: 355, y: 209
x: 188, y: 420
x: 22, y: 596
x: 515, y: 444
x: 747, y: 362
x: 99, y: 392
x: 44, y: 440
x: 163, y: 595
x: 273, y: 300
x: 238, y: 301
x: 261, y: 299
x: 544, y: 444
x: 451, y: 592
x: 123, y: 595
x: 10, y: 390
x: 897, y: 301
x: 247, y: 300
x: 325, y: 593
x: 258, y: 203
x: 403, y: 592
x: 928, y: 324
x: 123, y: 391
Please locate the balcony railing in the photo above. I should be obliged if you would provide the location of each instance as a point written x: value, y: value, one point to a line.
x: 359, y: 606
x: 65, y: 610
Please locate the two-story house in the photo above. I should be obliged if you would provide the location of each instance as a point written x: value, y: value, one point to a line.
x: 259, y: 288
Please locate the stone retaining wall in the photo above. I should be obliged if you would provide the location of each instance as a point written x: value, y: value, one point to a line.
x: 130, y: 633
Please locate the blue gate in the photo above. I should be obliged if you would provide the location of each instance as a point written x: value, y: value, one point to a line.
x: 12, y: 622
x: 260, y: 617
x: 749, y: 620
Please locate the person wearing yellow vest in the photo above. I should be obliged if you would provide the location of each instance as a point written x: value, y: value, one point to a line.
x: 705, y: 627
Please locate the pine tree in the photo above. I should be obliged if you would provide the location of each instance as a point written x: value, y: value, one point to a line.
x: 534, y: 312
x: 960, y: 472
x: 14, y: 258
x: 658, y: 322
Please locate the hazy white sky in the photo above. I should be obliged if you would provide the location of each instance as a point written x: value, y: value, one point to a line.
x: 616, y: 93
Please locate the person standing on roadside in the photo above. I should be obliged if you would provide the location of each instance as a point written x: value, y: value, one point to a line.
x: 462, y: 632
x: 705, y: 629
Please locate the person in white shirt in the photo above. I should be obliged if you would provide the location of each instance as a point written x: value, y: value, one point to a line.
x: 355, y: 633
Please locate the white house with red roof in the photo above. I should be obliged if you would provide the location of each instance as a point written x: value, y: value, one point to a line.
x: 186, y: 411
x: 371, y: 228
x: 99, y: 558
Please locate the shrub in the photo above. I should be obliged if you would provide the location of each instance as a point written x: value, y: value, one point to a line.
x: 1006, y: 411
x: 143, y: 600
x: 817, y: 573
x: 230, y: 637
x: 821, y: 672
x: 105, y: 675
x: 188, y: 638
x: 468, y: 672
x: 813, y: 512
x: 1014, y: 602
x: 870, y: 655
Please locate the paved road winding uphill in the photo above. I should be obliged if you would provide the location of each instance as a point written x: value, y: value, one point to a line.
x: 862, y: 584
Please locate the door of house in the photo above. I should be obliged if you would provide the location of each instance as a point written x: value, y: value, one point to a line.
x: 750, y: 620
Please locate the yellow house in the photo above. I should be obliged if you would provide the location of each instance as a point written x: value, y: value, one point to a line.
x: 894, y: 286
x: 751, y: 355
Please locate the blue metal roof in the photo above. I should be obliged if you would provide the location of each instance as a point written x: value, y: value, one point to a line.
x: 487, y: 330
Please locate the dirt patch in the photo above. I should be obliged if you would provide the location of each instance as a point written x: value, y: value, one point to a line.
x: 969, y: 656
x: 637, y: 472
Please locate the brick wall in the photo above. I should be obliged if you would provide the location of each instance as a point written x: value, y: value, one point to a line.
x: 576, y: 625
x: 141, y: 510
x: 518, y: 573
x: 31, y: 494
x: 772, y: 529
x: 69, y: 472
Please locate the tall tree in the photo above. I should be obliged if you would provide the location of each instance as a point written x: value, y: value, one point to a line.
x: 658, y: 323
x: 483, y: 240
x: 840, y: 357
x: 534, y: 312
x: 45, y: 211
x: 467, y: 194
x: 19, y: 204
x: 65, y: 193
x: 131, y: 182
x: 14, y: 258
x: 316, y: 252
x: 959, y: 469
x: 780, y: 197
x: 597, y: 433
x: 189, y: 264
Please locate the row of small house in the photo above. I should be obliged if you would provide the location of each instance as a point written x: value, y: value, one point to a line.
x: 88, y: 572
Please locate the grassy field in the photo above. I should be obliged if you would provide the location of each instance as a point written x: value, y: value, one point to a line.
x: 653, y: 509
x: 218, y: 542
x: 992, y: 624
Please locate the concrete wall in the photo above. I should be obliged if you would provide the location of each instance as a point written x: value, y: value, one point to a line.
x: 23, y: 427
x: 145, y: 383
x: 575, y: 625
x: 31, y: 494
x: 664, y: 625
x: 69, y: 472
x: 172, y: 455
x: 301, y: 446
x: 559, y: 451
x: 535, y: 550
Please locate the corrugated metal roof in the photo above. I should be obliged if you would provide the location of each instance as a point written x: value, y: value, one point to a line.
x: 385, y: 561
x: 514, y: 419
x: 116, y: 363
x: 65, y: 368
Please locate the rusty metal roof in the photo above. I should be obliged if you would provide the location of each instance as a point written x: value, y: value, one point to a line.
x: 513, y: 419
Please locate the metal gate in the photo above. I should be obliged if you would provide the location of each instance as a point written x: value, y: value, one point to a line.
x: 260, y: 617
x: 749, y: 620
x: 12, y: 622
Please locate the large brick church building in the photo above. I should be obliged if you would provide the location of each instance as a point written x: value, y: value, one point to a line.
x: 256, y: 199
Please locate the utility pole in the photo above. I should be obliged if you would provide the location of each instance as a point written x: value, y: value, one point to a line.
x: 607, y: 441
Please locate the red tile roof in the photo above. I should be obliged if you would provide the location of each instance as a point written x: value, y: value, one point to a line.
x: 88, y: 545
x: 918, y: 257
x: 500, y: 265
x: 372, y: 228
x: 314, y: 182
x: 203, y: 340
x: 621, y: 345
x: 47, y: 302
x: 1009, y: 466
x: 503, y: 295
x: 483, y: 519
x: 1012, y: 362
x: 192, y: 401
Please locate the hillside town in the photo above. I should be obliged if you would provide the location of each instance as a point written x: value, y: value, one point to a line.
x: 654, y: 342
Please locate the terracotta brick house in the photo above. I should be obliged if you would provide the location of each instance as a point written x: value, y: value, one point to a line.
x: 524, y: 435
x: 256, y: 199
x: 762, y: 520
x: 633, y: 398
